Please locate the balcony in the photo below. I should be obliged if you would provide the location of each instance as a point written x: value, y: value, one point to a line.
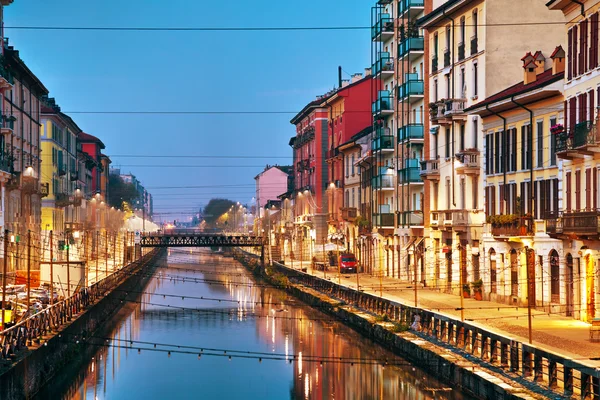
x: 430, y: 170
x: 7, y: 125
x: 349, y: 214
x: 474, y: 48
x: 456, y: 220
x: 410, y: 218
x: 383, y: 28
x: 384, y: 220
x: 384, y: 103
x: 434, y: 219
x: 413, y: 7
x: 410, y: 45
x: 468, y: 162
x: 410, y: 132
x: 6, y: 163
x: 383, y: 143
x: 73, y: 176
x: 446, y: 58
x: 584, y: 223
x: 382, y: 182
x: 461, y: 51
x: 384, y: 64
x: 411, y: 171
x: 61, y: 200
x: 511, y: 225
x: 455, y: 108
x: 413, y: 86
x: 434, y: 63
x: 6, y: 78
x: 332, y: 217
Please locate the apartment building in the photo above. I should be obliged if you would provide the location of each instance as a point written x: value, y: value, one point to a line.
x: 473, y: 45
x: 578, y: 146
x: 517, y: 258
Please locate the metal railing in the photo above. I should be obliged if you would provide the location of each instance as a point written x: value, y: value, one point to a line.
x: 51, y: 319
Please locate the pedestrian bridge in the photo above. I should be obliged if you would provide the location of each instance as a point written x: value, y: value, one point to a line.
x: 199, y: 240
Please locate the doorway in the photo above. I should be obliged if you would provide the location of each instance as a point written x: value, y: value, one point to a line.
x: 569, y: 285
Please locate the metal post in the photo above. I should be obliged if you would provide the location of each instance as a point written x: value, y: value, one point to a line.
x: 528, y: 260
x: 68, y: 265
x: 460, y: 269
x: 4, y: 272
x: 106, y: 251
x: 416, y: 277
x: 339, y: 265
x: 115, y: 252
x: 28, y: 270
x: 97, y: 252
x: 124, y: 248
x: 325, y: 261
x: 51, y: 270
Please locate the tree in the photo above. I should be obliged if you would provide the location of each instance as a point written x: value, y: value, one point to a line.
x: 120, y: 192
x: 215, y: 209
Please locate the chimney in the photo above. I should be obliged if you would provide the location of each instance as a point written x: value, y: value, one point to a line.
x: 367, y: 71
x: 540, y: 61
x: 530, y: 72
x: 558, y: 60
x: 345, y: 82
x: 356, y: 77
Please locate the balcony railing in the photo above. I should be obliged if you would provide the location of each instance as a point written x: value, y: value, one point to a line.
x: 5, y: 73
x: 582, y: 223
x: 385, y: 142
x: 410, y: 218
x: 61, y: 200
x: 411, y: 171
x: 383, y: 64
x: 469, y: 162
x: 411, y: 44
x: 430, y: 169
x: 382, y: 182
x: 456, y: 219
x: 474, y: 48
x: 434, y: 63
x: 383, y: 26
x: 6, y: 162
x: 386, y: 220
x: 349, y: 214
x: 461, y: 51
x: 407, y: 5
x: 454, y: 106
x: 446, y: 58
x: 413, y: 86
x: 513, y: 226
x: 383, y: 104
x: 411, y: 131
x: 583, y: 139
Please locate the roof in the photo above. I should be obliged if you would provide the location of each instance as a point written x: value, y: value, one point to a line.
x: 543, y: 79
x: 14, y: 63
x: 439, y: 12
x: 286, y: 169
x: 320, y: 102
x: 87, y: 138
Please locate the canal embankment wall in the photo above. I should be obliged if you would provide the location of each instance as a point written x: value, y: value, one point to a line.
x: 386, y: 323
x: 71, y: 344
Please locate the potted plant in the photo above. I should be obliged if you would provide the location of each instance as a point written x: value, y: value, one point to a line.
x: 466, y: 291
x: 477, y: 289
x: 557, y: 129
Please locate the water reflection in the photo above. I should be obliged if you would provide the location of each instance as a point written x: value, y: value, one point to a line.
x: 320, y: 358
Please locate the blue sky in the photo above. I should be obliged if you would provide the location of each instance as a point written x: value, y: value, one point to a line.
x: 190, y: 71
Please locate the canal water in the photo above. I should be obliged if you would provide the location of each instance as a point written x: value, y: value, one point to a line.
x: 203, y: 328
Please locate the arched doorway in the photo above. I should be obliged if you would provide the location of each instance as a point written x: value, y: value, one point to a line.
x: 590, y: 284
x: 568, y: 285
x: 493, y: 284
x: 514, y: 273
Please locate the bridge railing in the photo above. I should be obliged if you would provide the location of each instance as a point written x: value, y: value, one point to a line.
x: 199, y: 240
x: 33, y: 328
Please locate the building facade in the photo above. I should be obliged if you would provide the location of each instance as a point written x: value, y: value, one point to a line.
x: 463, y: 71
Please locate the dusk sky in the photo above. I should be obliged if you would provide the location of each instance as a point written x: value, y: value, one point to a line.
x: 92, y: 71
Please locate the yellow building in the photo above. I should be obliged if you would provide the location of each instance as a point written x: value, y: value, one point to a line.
x: 579, y: 148
x: 474, y: 47
x: 519, y: 149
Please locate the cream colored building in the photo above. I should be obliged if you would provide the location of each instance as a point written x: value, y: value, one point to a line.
x: 579, y: 147
x: 474, y: 47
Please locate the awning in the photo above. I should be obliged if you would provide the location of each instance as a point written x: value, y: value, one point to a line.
x: 434, y: 129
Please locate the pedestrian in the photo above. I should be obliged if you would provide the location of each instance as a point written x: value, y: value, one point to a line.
x: 416, y: 325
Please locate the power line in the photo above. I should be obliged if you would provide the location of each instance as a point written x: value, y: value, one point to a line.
x: 188, y: 29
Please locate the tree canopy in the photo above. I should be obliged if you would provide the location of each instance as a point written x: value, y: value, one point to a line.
x: 215, y: 209
x: 120, y: 192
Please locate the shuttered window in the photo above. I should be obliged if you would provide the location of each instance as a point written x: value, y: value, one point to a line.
x: 577, y: 190
x: 592, y: 112
x: 568, y: 191
x: 588, y: 188
x: 574, y: 52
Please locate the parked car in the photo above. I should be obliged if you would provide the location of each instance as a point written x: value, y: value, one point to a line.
x: 348, y: 263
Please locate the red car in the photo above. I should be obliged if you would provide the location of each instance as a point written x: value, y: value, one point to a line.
x: 348, y: 263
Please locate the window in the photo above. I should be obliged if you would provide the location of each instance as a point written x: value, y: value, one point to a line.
x: 352, y: 165
x: 347, y: 165
x: 447, y: 76
x: 435, y: 90
x: 475, y: 192
x: 463, y: 87
x: 448, y: 194
x: 568, y: 191
x: 475, y: 80
x: 489, y: 153
x: 353, y: 195
x: 462, y: 30
x: 553, y: 143
x: 448, y: 33
x: 435, y: 45
x: 578, y: 190
x: 540, y: 144
x: 525, y: 147
x: 462, y: 138
x: 447, y: 142
x: 475, y: 23
x: 555, y: 275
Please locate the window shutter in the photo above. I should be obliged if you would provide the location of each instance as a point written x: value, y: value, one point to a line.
x: 542, y: 195
x: 514, y: 150
x: 555, y: 196
x: 523, y: 138
x: 575, y: 52
x: 592, y: 115
x: 570, y: 54
x: 584, y: 46
x: 582, y: 107
x: 501, y: 200
x: 581, y: 60
x: 595, y: 189
x: 493, y: 199
x: 594, y: 44
x: 588, y: 189
x: 572, y: 112
x: 568, y: 192
x: 577, y: 190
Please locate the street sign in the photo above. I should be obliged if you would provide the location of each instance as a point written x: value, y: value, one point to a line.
x: 137, y: 237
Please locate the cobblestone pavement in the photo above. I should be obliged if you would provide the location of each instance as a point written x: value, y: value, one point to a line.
x: 554, y: 333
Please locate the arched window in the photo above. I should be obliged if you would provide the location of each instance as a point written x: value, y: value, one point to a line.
x: 555, y: 275
x: 493, y: 284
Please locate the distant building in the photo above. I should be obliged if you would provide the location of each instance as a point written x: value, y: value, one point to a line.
x: 145, y: 198
x: 270, y: 183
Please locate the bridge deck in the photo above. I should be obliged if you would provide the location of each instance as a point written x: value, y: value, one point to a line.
x: 199, y: 240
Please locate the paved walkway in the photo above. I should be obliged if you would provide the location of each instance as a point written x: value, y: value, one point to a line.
x: 554, y: 333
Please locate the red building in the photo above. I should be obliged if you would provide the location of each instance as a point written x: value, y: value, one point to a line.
x: 93, y: 147
x: 321, y: 127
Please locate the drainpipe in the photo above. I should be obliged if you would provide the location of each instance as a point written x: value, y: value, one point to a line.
x: 452, y: 84
x: 487, y: 107
x: 530, y: 145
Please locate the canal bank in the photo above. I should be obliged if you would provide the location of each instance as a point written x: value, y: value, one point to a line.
x: 48, y: 342
x: 387, y: 324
